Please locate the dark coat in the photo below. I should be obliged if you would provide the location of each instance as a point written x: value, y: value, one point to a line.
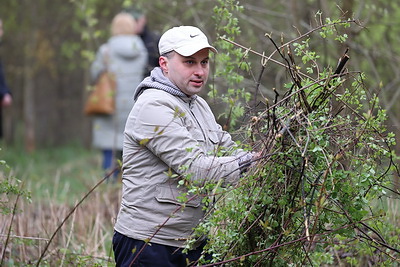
x: 150, y: 40
x: 3, y: 85
x: 3, y: 91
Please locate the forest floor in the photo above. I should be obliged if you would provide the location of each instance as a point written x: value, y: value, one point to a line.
x: 58, y: 179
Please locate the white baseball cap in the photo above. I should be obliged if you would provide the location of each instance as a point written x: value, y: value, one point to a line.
x: 185, y: 40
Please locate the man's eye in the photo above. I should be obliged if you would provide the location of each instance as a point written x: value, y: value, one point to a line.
x: 204, y: 62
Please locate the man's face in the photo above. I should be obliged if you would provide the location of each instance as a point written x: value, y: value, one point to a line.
x: 190, y: 73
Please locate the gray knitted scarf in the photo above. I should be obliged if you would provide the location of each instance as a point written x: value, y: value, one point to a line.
x: 157, y: 80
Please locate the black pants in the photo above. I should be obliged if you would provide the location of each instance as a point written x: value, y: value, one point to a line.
x: 153, y: 255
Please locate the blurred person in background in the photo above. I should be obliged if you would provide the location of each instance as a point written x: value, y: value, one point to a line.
x: 5, y: 93
x: 149, y: 37
x: 125, y: 56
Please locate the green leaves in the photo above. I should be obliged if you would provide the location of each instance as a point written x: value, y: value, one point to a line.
x: 230, y: 61
x: 330, y: 28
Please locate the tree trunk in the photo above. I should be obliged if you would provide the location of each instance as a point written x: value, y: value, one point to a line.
x: 29, y: 86
x: 29, y: 106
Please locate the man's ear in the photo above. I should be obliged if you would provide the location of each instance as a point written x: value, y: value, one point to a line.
x: 163, y: 62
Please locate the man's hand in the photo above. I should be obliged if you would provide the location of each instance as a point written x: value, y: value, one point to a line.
x: 7, y: 100
x: 248, y: 160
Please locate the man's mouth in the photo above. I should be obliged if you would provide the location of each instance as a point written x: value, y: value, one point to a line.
x: 197, y: 82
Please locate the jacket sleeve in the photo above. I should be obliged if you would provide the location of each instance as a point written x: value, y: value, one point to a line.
x: 161, y: 127
x: 98, y: 66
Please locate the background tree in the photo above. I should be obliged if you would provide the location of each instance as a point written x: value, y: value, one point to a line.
x: 58, y: 37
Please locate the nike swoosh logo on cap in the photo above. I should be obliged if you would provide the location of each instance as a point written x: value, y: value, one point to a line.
x: 192, y: 36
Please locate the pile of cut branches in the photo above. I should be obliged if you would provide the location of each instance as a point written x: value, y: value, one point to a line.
x: 316, y: 194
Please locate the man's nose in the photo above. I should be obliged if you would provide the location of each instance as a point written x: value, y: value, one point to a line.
x: 199, y: 71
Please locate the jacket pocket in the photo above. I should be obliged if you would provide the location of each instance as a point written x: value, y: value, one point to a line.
x: 214, y: 138
x: 168, y: 194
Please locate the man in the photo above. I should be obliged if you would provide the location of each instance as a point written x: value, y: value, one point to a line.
x: 171, y: 140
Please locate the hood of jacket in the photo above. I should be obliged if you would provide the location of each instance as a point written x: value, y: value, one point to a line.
x: 157, y: 80
x: 124, y: 46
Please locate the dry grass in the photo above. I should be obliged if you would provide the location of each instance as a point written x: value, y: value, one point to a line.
x: 85, y: 237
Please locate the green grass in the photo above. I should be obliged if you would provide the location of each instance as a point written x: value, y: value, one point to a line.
x: 63, y: 173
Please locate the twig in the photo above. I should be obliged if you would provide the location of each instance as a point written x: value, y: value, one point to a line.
x: 293, y: 74
x: 269, y: 58
x: 9, y: 229
x: 342, y: 62
x: 258, y: 83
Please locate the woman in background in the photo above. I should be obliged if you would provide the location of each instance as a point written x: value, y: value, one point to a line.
x: 125, y: 56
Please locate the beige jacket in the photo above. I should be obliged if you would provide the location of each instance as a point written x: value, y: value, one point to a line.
x: 177, y: 135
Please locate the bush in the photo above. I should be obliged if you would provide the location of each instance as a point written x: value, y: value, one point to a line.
x: 327, y: 157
